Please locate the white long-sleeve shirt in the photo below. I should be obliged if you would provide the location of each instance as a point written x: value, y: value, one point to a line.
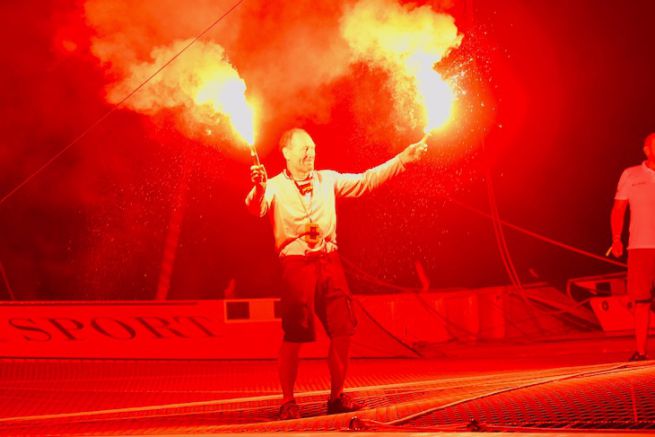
x: 291, y: 212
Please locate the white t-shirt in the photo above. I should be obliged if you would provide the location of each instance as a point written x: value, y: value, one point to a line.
x: 291, y: 212
x: 637, y: 186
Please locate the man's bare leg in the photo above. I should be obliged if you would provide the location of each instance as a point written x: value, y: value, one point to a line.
x: 642, y: 324
x: 288, y: 368
x: 338, y: 363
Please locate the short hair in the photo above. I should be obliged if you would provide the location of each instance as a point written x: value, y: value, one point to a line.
x: 287, y: 136
x: 650, y: 139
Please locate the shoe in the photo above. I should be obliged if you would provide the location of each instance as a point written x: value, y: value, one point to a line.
x: 343, y: 404
x: 638, y: 357
x: 289, y: 410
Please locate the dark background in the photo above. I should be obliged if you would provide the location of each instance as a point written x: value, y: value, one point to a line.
x: 560, y: 97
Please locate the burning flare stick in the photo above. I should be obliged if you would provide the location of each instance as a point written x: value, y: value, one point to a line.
x: 254, y: 155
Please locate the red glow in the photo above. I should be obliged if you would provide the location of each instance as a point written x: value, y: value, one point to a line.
x: 69, y: 45
x: 103, y: 207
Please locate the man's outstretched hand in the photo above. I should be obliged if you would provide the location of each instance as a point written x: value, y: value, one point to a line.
x: 617, y: 248
x: 258, y: 176
x: 413, y: 152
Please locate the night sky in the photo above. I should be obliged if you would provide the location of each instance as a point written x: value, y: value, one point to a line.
x: 559, y: 98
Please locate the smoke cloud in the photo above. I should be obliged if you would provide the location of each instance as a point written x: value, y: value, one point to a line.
x: 287, y: 55
x: 291, y: 57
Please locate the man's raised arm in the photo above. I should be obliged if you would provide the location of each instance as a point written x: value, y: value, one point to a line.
x: 357, y: 184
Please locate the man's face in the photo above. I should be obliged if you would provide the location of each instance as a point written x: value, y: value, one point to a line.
x: 300, y: 153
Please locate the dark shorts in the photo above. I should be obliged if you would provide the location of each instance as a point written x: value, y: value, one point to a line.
x: 641, y: 273
x: 315, y: 285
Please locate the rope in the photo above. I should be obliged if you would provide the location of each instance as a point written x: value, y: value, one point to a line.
x: 398, y: 423
x: 10, y: 292
x: 386, y: 331
x: 503, y: 250
x: 537, y: 235
x: 453, y: 326
x: 375, y: 281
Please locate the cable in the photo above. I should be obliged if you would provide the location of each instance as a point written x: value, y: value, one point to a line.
x: 10, y: 292
x: 536, y: 235
x: 503, y: 250
x: 365, y: 424
x: 451, y: 326
x: 373, y: 280
x: 386, y: 331
x: 116, y: 105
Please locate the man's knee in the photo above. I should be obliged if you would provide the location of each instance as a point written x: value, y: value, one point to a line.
x: 341, y: 340
x: 338, y: 317
x: 297, y: 322
x: 299, y: 336
x: 289, y: 354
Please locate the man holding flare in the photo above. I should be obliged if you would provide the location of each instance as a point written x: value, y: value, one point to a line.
x: 300, y: 202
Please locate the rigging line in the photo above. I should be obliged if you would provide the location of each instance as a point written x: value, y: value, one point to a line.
x: 541, y: 381
x: 365, y: 276
x: 371, y: 279
x: 537, y: 235
x: 416, y: 292
x: 375, y: 281
x: 500, y: 238
x: 385, y: 330
x: 117, y: 105
x: 504, y: 250
x: 500, y: 235
x: 501, y: 243
x: 10, y: 292
x: 504, y: 256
